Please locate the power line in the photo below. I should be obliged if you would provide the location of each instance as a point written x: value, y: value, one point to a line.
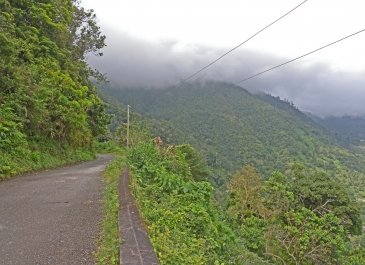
x: 239, y: 45
x: 299, y: 57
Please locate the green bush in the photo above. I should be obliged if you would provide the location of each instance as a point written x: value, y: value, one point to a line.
x: 41, y: 153
x: 184, y: 224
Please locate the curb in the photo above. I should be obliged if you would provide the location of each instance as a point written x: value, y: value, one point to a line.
x: 135, y: 246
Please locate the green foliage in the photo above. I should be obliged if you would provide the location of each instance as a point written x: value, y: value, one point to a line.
x: 198, y: 167
x: 320, y: 193
x: 108, y: 250
x: 350, y: 131
x: 303, y: 237
x: 302, y: 218
x: 278, y: 194
x: 184, y: 225
x: 40, y: 153
x: 45, y: 92
x: 244, y: 195
x: 139, y: 129
x: 356, y: 254
x: 253, y: 230
x: 109, y: 146
x: 10, y: 135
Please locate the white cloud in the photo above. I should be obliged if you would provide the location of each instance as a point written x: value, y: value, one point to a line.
x: 315, y: 87
x: 217, y: 23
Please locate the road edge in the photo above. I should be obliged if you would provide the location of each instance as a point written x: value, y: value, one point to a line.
x: 135, y: 247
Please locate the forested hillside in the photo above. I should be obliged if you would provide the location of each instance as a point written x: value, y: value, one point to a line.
x: 348, y: 130
x: 233, y: 128
x: 49, y: 111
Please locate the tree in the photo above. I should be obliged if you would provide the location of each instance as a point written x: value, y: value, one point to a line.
x: 278, y: 195
x: 46, y: 94
x: 306, y: 238
x: 44, y: 77
x: 244, y: 193
x: 310, y: 218
x: 321, y: 194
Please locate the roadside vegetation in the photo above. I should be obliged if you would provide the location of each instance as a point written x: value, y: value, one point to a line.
x: 184, y: 223
x: 50, y: 113
x: 41, y: 154
x: 300, y: 217
x: 109, y: 242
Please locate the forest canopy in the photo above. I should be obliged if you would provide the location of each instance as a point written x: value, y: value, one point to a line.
x: 45, y: 88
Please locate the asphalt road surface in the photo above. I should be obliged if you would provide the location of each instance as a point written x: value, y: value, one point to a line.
x: 53, y: 216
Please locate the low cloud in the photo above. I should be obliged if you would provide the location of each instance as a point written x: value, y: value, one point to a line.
x: 316, y: 88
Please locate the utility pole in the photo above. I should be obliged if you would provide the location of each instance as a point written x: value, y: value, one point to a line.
x: 128, y: 126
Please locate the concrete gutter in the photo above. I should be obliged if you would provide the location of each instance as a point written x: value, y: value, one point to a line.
x: 135, y: 247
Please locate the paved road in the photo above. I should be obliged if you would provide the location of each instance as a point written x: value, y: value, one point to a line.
x: 52, y: 217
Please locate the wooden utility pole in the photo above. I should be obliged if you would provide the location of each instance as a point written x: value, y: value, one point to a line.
x: 128, y: 126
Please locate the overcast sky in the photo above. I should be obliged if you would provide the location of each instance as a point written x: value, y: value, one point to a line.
x: 157, y: 43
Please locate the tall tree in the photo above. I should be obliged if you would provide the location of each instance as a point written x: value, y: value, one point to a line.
x: 244, y: 195
x: 46, y: 94
x: 45, y: 79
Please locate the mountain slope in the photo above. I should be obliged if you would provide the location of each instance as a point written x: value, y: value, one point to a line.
x: 347, y: 129
x: 233, y: 127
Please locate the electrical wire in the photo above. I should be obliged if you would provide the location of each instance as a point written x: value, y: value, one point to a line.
x: 299, y: 57
x: 239, y: 45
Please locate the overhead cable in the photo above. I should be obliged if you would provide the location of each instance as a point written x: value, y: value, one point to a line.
x: 239, y: 45
x: 299, y: 57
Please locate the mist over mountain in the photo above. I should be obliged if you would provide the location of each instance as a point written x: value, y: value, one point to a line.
x: 315, y: 88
